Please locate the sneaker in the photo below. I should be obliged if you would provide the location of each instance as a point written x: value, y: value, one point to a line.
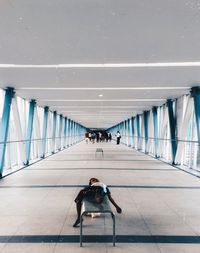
x: 76, y: 223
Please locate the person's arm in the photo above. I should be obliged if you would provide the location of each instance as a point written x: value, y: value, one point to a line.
x: 119, y: 210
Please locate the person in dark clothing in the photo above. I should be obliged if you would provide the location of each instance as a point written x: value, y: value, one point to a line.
x: 118, y: 135
x: 93, y: 182
x: 109, y: 136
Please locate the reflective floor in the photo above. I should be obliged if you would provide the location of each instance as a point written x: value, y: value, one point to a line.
x: 161, y: 204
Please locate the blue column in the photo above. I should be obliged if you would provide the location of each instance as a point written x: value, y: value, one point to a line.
x: 44, y: 132
x: 195, y: 92
x: 65, y: 132
x: 5, y: 126
x: 75, y: 132
x: 138, y: 130
x: 54, y: 130
x: 172, y: 125
x: 73, y: 128
x: 125, y: 132
x: 124, y: 128
x: 69, y: 132
x: 118, y: 128
x: 30, y: 129
x: 155, y: 124
x: 60, y: 130
x: 80, y: 132
x: 146, y: 123
x: 129, y: 137
x: 133, y: 129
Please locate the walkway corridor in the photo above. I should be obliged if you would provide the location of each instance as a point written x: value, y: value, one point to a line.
x: 161, y: 204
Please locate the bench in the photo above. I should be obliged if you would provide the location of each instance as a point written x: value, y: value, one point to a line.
x: 99, y: 150
x: 88, y: 208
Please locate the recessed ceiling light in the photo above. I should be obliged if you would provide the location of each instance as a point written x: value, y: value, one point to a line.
x: 100, y: 95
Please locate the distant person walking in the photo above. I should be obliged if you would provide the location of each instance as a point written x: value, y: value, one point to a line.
x: 118, y: 135
x: 86, y: 137
x: 109, y: 136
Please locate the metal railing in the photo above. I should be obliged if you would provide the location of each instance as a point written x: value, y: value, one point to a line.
x: 15, y: 150
x: 188, y: 152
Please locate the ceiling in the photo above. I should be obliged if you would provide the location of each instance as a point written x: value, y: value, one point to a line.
x: 100, y: 62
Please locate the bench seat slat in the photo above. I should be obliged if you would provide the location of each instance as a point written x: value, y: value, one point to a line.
x: 104, y: 207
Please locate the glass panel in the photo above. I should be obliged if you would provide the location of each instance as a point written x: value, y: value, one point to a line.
x: 2, y: 95
x: 12, y: 152
x: 14, y: 159
x: 36, y: 144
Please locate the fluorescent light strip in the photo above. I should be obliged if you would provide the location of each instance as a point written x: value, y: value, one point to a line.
x: 104, y: 65
x: 81, y: 112
x: 104, y: 88
x: 98, y: 113
x: 103, y: 100
x: 117, y: 106
x: 94, y: 112
x: 108, y: 112
x: 74, y: 112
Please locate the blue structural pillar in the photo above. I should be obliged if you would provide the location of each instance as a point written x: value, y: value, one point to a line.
x: 155, y: 125
x: 44, y: 131
x: 30, y: 129
x: 73, y: 127
x: 60, y: 131
x: 128, y: 132
x: 5, y: 125
x: 195, y: 92
x: 172, y: 125
x: 74, y: 132
x: 54, y: 130
x: 138, y: 130
x: 124, y: 129
x: 69, y: 132
x: 146, y: 122
x: 77, y: 132
x: 125, y: 132
x: 65, y: 132
x: 133, y: 130
x: 80, y: 132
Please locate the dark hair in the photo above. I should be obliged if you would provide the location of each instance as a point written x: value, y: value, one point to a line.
x: 93, y: 179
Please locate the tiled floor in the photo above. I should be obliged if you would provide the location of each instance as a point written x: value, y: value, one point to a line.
x: 161, y: 204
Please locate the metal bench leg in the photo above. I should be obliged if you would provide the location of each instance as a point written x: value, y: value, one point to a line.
x: 114, y: 237
x: 81, y: 230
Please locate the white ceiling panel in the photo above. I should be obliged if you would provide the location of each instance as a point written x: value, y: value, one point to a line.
x: 49, y: 33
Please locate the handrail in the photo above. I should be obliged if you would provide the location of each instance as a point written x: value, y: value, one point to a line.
x: 162, y: 139
x: 40, y: 139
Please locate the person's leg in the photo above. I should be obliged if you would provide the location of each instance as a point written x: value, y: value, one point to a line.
x: 80, y: 196
x: 78, y: 209
x: 78, y: 201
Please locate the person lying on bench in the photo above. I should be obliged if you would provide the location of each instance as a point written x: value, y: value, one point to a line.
x: 95, y: 193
